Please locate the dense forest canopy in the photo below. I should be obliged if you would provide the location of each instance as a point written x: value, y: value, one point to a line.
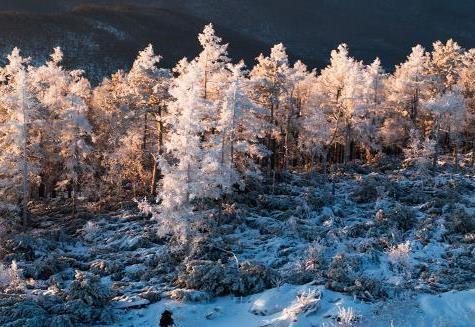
x: 201, y: 129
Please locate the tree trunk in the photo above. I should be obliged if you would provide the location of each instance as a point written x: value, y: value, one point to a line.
x: 74, y: 199
x: 286, y: 145
x: 436, y: 149
x: 325, y: 163
x: 145, y: 132
x: 456, y: 155
x: 347, y: 154
x: 155, y: 174
x: 25, y: 216
x: 26, y: 170
x: 155, y: 168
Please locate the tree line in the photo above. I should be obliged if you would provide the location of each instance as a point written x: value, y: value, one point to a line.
x: 205, y: 127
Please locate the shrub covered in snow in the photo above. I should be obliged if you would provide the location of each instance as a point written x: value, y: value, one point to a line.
x: 346, y: 317
x: 210, y: 276
x: 220, y: 279
x: 460, y: 221
x: 404, y: 217
x: 9, y: 276
x: 87, y: 288
x: 400, y: 253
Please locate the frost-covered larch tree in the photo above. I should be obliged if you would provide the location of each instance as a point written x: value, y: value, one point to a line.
x: 192, y: 162
x: 373, y: 105
x: 272, y: 92
x: 212, y: 62
x: 449, y: 116
x: 445, y: 64
x: 315, y: 130
x: 298, y: 93
x: 75, y: 134
x: 109, y: 108
x: 340, y: 84
x: 467, y: 86
x: 148, y: 86
x: 241, y: 126
x: 408, y: 88
x: 187, y: 159
x: 127, y: 119
x: 50, y: 84
x: 20, y: 133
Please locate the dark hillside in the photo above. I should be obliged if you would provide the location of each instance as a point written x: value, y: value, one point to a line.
x: 104, y: 39
x: 112, y: 32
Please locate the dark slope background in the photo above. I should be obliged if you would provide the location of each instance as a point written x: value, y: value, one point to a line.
x: 104, y: 35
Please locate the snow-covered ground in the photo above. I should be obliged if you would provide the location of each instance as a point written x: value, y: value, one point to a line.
x: 363, y: 249
x: 456, y: 309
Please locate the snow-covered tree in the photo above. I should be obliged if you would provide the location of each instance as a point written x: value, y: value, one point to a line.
x: 467, y: 86
x: 273, y: 91
x: 212, y: 62
x: 50, y: 84
x: 445, y: 64
x: 315, y: 130
x: 410, y: 85
x: 419, y: 152
x: 75, y: 133
x: 449, y: 114
x: 372, y: 110
x: 340, y: 84
x: 127, y: 118
x: 20, y: 133
x: 109, y: 107
x: 241, y: 126
x: 149, y: 90
x: 190, y: 160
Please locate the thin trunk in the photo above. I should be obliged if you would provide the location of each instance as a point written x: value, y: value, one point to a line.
x: 145, y: 131
x: 155, y: 169
x: 270, y: 144
x: 286, y: 145
x: 347, y: 155
x: 25, y: 185
x: 233, y: 127
x: 26, y: 168
x: 155, y: 174
x: 325, y: 164
x: 456, y: 155
x: 436, y: 149
x: 77, y: 168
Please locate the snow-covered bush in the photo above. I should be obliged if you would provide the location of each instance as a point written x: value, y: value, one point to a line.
x: 87, y: 288
x: 255, y: 278
x: 185, y: 295
x: 404, y: 217
x: 220, y: 279
x: 399, y: 254
x: 306, y: 303
x: 460, y: 221
x: 90, y: 230
x: 366, y: 192
x: 343, y: 271
x: 346, y: 316
x: 9, y: 276
x: 314, y: 258
x: 210, y: 276
x: 45, y: 267
x: 309, y: 267
x: 105, y: 267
